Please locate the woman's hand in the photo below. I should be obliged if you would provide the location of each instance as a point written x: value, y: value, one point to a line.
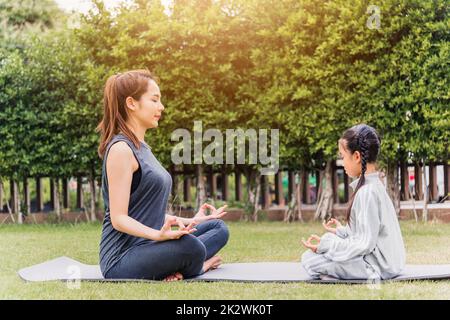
x: 215, y: 213
x: 166, y: 232
x: 331, y: 225
x: 308, y: 243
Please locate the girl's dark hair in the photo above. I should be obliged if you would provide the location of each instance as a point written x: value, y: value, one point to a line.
x: 365, y: 139
x: 118, y: 87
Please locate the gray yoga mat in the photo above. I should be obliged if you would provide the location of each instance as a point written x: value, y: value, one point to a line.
x: 67, y: 269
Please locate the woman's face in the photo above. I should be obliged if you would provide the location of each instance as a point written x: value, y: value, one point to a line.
x: 352, y: 162
x: 149, y: 107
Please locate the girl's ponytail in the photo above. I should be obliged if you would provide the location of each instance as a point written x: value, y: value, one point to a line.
x: 365, y: 140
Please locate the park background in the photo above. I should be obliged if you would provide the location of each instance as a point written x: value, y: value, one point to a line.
x: 310, y: 68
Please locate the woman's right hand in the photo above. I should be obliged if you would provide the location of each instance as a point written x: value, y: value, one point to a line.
x: 215, y: 213
x: 166, y: 232
x: 331, y: 225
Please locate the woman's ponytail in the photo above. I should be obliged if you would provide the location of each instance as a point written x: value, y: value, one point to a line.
x: 115, y: 114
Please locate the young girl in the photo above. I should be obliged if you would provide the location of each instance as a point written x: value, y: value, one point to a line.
x: 370, y: 246
x: 137, y: 239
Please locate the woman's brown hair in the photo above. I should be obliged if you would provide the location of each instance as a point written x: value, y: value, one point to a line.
x: 118, y: 87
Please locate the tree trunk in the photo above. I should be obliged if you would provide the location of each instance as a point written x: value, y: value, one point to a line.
x: 98, y: 192
x: 253, y: 192
x: 305, y: 187
x: 39, y: 196
x: 8, y: 207
x: 418, y: 181
x: 211, y: 185
x: 279, y: 194
x: 80, y: 200
x: 432, y: 182
x: 446, y: 180
x: 289, y: 211
x: 346, y: 188
x: 201, y: 190
x: 294, y: 204
x: 65, y: 193
x: 92, y: 197
x: 416, y: 217
x: 325, y: 202
x: 26, y: 191
x: 1, y: 195
x: 425, y: 194
x: 335, y: 183
x: 224, y: 184
x: 404, y: 181
x: 298, y: 195
x: 319, y: 180
x: 175, y: 179
x: 257, y: 193
x: 266, y: 200
x: 12, y: 196
x: 393, y: 189
x: 52, y: 194
x: 291, y: 203
x: 238, y: 186
x: 15, y: 200
x: 186, y: 188
x: 55, y: 196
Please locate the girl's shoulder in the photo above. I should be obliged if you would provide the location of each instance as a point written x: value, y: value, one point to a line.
x: 369, y: 192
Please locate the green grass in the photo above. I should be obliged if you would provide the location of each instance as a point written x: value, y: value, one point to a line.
x: 22, y: 246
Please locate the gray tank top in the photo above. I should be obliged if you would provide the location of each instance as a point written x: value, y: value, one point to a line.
x: 147, y: 203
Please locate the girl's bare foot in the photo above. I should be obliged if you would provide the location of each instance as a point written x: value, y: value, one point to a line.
x: 174, y: 277
x: 212, y: 263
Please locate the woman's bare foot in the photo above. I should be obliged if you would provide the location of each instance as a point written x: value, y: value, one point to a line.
x: 212, y: 263
x: 174, y: 277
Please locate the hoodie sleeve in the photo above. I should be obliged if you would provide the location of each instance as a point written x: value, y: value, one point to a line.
x: 363, y: 239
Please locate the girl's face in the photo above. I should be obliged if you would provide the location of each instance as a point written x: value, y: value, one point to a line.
x: 352, y: 161
x: 148, y: 109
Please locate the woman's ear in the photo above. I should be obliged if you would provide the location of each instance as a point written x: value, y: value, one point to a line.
x: 130, y: 103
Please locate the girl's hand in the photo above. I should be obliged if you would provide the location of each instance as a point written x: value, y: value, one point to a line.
x: 331, y: 225
x: 308, y: 244
x: 215, y: 213
x: 166, y: 232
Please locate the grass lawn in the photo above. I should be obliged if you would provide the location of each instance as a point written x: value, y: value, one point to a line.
x: 22, y: 246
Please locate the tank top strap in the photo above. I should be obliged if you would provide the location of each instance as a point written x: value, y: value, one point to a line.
x: 121, y: 137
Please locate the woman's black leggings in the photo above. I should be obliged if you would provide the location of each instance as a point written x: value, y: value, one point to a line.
x: 157, y: 260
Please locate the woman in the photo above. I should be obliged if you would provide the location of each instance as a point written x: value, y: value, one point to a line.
x: 137, y: 237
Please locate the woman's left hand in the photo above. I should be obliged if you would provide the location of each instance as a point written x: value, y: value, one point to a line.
x: 215, y: 213
x: 308, y: 243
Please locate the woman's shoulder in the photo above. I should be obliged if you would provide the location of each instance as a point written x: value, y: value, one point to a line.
x: 121, y: 140
x: 120, y: 145
x: 120, y: 151
x: 120, y: 154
